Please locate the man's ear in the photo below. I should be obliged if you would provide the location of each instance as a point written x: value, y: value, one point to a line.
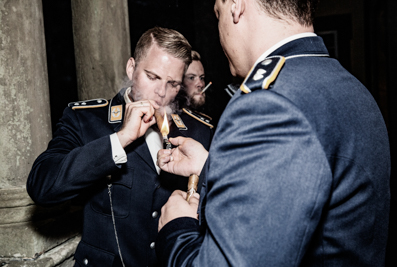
x: 238, y: 8
x: 130, y: 67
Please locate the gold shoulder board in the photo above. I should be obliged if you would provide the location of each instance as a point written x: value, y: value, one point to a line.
x: 93, y: 103
x: 198, y: 117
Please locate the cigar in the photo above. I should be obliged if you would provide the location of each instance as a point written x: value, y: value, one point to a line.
x: 159, y: 118
x: 192, y: 186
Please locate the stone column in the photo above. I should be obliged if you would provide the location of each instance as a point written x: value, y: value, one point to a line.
x: 25, y: 126
x: 26, y: 230
x: 102, y: 46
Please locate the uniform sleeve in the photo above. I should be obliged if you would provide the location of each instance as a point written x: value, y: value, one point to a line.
x: 69, y: 166
x: 267, y: 185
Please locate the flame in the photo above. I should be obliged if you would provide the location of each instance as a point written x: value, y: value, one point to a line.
x: 164, y: 128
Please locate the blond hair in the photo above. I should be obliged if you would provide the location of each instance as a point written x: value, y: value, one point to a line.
x: 169, y: 40
x: 196, y: 56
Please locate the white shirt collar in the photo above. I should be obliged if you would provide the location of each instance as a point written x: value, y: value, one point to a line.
x: 283, y: 42
x: 126, y: 98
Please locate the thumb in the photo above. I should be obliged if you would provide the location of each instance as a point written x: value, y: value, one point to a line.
x: 194, y: 200
x: 176, y: 141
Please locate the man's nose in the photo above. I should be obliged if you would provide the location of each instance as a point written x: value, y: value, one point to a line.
x: 161, y: 90
x: 201, y: 84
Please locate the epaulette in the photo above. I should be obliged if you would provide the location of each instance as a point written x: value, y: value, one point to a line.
x: 93, y: 103
x: 198, y: 117
x: 262, y: 74
x: 205, y: 116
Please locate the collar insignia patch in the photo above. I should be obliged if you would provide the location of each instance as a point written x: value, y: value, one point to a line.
x: 178, y: 122
x: 116, y: 113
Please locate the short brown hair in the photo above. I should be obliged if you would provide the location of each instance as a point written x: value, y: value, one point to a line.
x: 301, y: 11
x: 196, y: 56
x: 169, y: 40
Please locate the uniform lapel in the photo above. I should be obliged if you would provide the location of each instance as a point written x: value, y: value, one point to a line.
x: 140, y: 147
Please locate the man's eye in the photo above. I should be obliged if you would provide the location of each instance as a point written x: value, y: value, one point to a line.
x: 191, y: 78
x: 202, y: 78
x: 174, y: 84
x: 151, y: 78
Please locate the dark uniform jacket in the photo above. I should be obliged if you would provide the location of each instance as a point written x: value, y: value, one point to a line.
x: 297, y: 175
x: 78, y: 161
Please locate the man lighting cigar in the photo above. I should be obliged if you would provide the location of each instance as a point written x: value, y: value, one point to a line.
x: 105, y: 152
x: 298, y: 170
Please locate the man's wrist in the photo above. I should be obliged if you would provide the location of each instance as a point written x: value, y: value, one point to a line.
x: 203, y: 160
x: 123, y: 139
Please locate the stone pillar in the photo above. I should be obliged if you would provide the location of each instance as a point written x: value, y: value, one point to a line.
x: 26, y: 231
x: 25, y: 126
x: 102, y: 46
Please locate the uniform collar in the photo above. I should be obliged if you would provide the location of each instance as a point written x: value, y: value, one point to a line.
x: 126, y: 95
x: 269, y: 64
x: 283, y: 42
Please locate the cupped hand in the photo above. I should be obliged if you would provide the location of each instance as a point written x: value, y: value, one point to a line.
x: 177, y: 207
x: 138, y: 117
x: 187, y: 158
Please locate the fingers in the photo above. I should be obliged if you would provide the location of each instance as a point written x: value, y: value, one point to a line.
x: 154, y: 104
x: 147, y: 109
x: 136, y: 111
x: 177, y: 207
x: 177, y: 193
x: 164, y: 153
x: 194, y: 200
x: 152, y: 121
x: 164, y: 156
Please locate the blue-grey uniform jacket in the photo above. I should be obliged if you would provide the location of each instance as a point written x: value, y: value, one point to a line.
x: 297, y: 174
x: 78, y: 161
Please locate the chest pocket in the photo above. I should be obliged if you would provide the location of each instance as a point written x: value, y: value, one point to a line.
x: 121, y: 184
